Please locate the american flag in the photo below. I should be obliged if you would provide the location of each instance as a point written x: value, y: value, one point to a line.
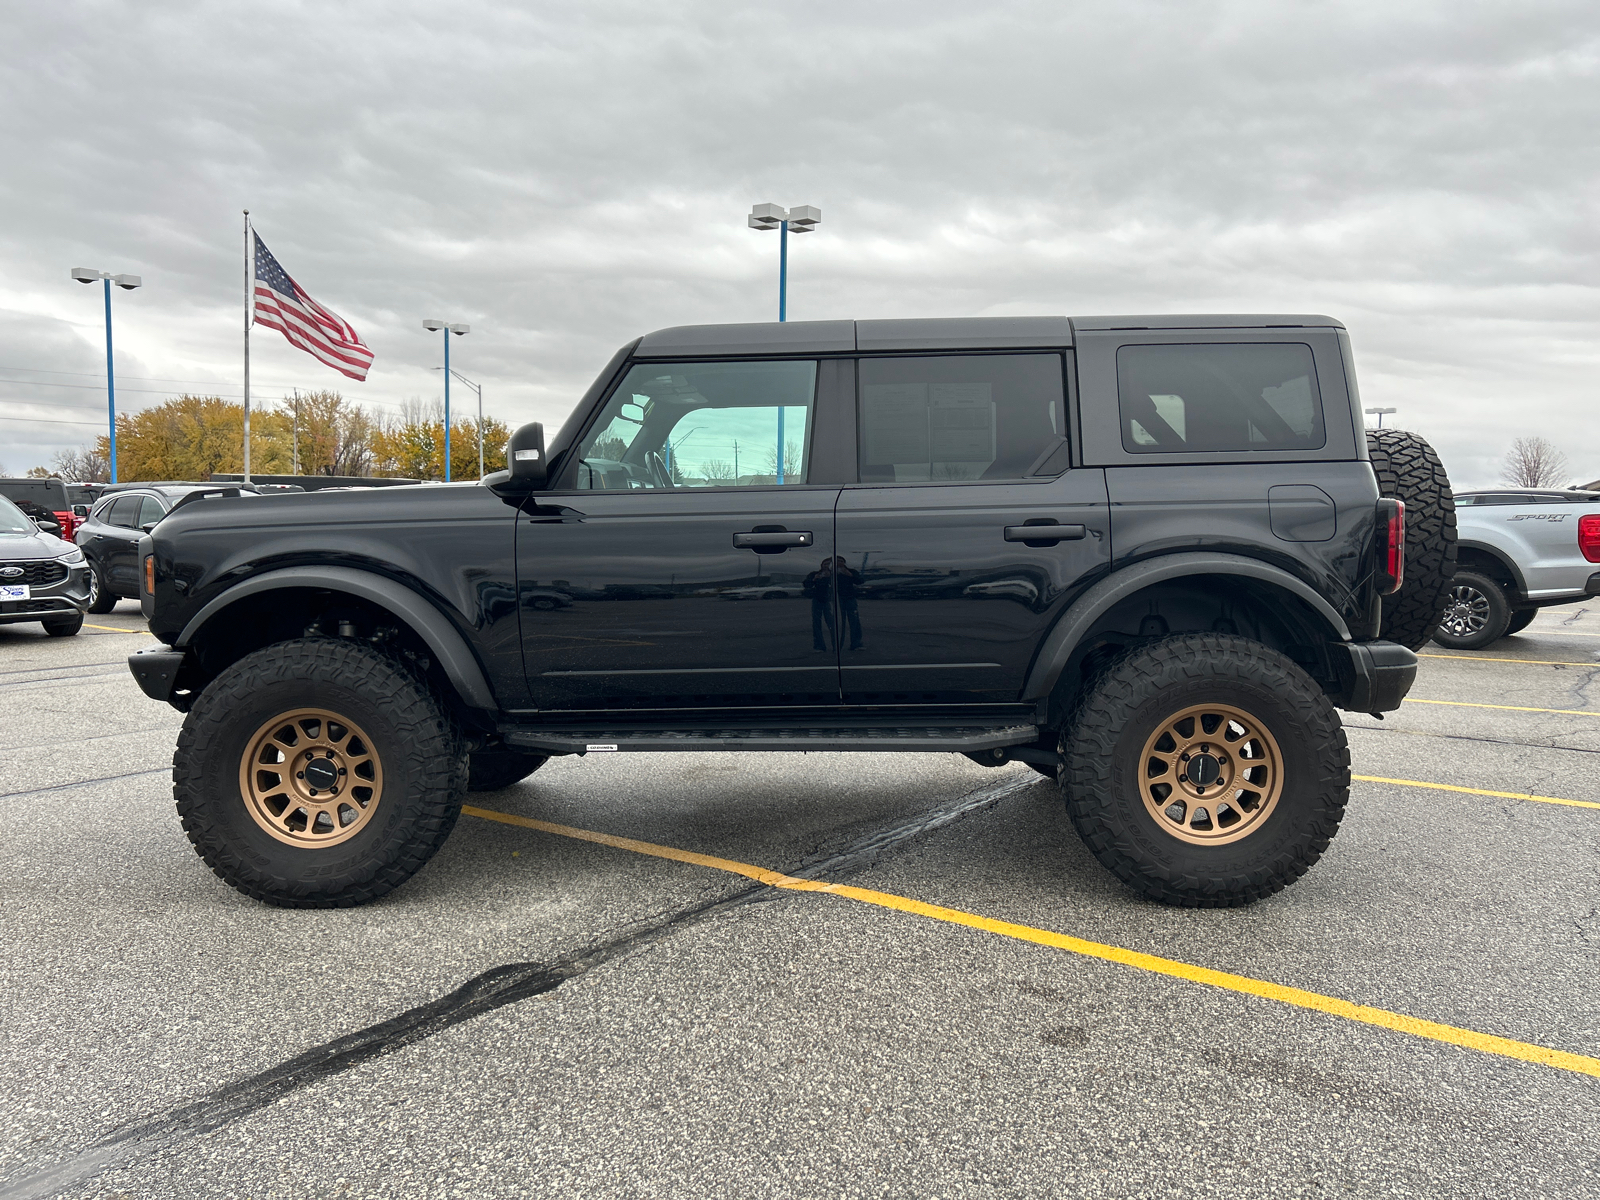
x: 282, y: 304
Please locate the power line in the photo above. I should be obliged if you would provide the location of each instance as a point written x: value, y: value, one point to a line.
x: 45, y: 421
x: 89, y: 387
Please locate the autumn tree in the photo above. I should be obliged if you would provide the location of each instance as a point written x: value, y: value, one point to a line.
x: 1534, y: 462
x: 412, y: 444
x: 190, y: 437
x: 334, y: 435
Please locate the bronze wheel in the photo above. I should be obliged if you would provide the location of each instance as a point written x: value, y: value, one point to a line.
x: 1212, y: 774
x: 311, y: 778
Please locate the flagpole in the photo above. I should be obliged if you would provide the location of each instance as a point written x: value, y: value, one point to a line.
x: 249, y: 297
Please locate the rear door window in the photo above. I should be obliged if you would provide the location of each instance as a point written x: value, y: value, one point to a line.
x: 958, y: 417
x: 1218, y: 397
x: 125, y: 512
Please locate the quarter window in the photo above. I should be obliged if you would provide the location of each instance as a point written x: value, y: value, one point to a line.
x: 1212, y: 398
x: 978, y: 416
x: 699, y: 425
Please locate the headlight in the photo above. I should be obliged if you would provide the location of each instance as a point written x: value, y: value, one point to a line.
x: 73, y: 558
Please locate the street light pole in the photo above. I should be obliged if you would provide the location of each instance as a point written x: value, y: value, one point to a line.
x: 1379, y: 413
x: 803, y: 218
x: 129, y: 282
x: 434, y: 326
x: 478, y: 388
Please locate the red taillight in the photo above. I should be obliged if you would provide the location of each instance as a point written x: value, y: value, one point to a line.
x: 1589, y: 536
x: 1392, y: 545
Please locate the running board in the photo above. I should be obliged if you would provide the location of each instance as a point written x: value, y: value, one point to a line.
x: 961, y: 739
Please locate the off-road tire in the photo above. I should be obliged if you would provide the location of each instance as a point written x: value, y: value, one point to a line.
x: 424, y: 766
x: 491, y: 770
x: 1104, y: 742
x: 1521, y: 618
x: 104, y: 598
x: 68, y: 628
x: 1408, y: 469
x: 1496, y: 612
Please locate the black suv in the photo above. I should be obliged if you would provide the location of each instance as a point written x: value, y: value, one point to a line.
x: 1148, y: 556
x: 109, y: 536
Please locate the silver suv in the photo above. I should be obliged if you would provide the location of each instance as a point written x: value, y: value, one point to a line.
x: 1520, y: 550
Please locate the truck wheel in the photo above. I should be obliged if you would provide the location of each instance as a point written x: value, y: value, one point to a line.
x: 1521, y: 618
x: 491, y: 770
x: 1409, y: 470
x: 101, y: 598
x: 1205, y: 770
x: 318, y: 773
x: 1476, y: 612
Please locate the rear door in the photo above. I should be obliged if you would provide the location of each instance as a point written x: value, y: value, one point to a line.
x: 673, y: 566
x: 968, y: 532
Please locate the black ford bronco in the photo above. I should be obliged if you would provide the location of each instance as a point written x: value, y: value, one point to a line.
x: 1146, y: 556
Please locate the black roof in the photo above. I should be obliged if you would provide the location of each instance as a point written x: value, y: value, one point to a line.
x: 932, y: 333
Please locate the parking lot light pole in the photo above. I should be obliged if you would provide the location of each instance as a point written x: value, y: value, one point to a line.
x: 1379, y: 413
x: 129, y: 282
x: 433, y: 326
x: 800, y: 219
x: 479, y: 389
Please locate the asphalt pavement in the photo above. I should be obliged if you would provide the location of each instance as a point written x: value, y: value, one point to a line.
x: 539, y: 1014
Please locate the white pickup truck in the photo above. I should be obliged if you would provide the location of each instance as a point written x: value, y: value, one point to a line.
x: 1519, y: 550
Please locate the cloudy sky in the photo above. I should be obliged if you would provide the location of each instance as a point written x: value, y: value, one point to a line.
x: 564, y: 177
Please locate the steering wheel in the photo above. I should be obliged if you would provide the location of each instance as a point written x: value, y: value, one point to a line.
x: 659, y: 475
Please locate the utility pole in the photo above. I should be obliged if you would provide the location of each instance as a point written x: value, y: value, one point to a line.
x: 736, y: 462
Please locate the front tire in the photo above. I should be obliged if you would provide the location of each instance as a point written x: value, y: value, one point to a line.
x: 101, y: 598
x: 1521, y: 618
x: 318, y: 773
x: 1205, y: 770
x: 67, y: 628
x: 1475, y: 613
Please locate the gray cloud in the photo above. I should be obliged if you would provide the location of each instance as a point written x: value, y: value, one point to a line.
x: 566, y: 177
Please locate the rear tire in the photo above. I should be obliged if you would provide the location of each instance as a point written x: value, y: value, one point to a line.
x: 391, y: 774
x: 101, y: 598
x: 491, y: 770
x: 1259, y: 810
x: 64, y: 628
x: 1476, y: 613
x: 1521, y: 618
x: 1408, y: 469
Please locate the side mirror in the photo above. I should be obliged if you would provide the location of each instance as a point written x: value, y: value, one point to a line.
x: 81, y: 511
x: 147, y: 526
x: 526, y: 469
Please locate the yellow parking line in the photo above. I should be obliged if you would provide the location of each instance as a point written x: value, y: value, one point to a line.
x: 114, y: 629
x: 1532, y: 662
x: 1566, y: 712
x: 1450, y: 787
x: 1383, y: 1018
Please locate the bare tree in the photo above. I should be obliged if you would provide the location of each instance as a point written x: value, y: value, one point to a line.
x: 84, y: 465
x: 716, y: 470
x: 1534, y: 462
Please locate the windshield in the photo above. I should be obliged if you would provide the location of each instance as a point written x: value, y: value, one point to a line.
x: 12, y: 520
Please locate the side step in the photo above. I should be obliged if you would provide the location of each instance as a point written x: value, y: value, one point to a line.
x: 903, y: 738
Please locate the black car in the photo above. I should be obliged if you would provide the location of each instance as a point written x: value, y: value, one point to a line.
x: 42, y: 578
x: 1147, y: 556
x: 109, y: 537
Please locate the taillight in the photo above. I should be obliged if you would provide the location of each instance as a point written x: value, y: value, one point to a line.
x: 1589, y: 536
x: 149, y: 574
x: 1392, y: 545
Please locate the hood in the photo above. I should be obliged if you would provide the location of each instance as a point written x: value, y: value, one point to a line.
x: 30, y: 547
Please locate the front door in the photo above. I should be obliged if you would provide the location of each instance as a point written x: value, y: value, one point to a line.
x: 968, y: 534
x: 675, y: 564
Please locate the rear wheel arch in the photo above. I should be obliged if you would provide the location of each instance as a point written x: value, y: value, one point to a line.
x: 292, y: 602
x: 1211, y: 593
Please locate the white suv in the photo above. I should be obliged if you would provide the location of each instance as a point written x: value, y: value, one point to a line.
x: 1520, y: 550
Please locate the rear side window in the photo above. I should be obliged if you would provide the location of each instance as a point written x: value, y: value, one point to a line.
x: 125, y: 512
x: 1211, y: 398
x: 978, y: 416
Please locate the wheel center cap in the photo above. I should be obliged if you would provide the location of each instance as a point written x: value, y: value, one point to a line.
x: 321, y: 773
x: 1203, y: 770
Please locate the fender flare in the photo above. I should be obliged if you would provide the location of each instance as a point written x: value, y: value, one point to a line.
x: 1499, y: 555
x: 444, y: 640
x: 1080, y: 617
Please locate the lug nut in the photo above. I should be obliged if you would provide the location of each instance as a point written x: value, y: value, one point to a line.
x: 299, y: 774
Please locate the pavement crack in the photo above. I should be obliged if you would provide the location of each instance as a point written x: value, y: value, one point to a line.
x: 483, y: 993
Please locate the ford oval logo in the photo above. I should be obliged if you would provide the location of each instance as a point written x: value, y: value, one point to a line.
x: 11, y: 572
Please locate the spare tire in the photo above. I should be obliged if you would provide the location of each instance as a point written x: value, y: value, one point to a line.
x: 1408, y: 469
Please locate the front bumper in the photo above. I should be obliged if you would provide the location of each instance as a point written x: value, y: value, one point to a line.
x: 155, y: 669
x: 1374, y: 677
x: 60, y: 601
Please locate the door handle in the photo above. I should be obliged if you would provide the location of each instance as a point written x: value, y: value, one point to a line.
x: 771, y: 539
x: 1044, y: 533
